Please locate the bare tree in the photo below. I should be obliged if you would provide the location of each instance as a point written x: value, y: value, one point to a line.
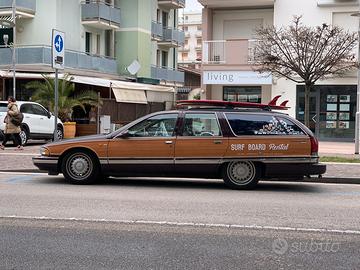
x: 305, y: 54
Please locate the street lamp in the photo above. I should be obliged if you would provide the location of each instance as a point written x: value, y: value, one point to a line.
x: 357, y: 115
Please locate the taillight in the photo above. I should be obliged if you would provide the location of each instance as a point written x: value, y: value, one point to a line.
x: 314, y: 145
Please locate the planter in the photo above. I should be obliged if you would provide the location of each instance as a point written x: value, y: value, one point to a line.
x: 69, y: 130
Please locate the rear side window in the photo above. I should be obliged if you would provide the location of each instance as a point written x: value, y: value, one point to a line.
x: 261, y: 124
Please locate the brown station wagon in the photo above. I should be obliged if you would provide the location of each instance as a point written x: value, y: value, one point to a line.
x: 239, y: 142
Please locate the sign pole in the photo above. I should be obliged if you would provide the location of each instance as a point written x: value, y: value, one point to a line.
x: 58, y: 60
x: 56, y: 104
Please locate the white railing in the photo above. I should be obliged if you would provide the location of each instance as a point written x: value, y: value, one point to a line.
x: 229, y: 52
x: 214, y: 52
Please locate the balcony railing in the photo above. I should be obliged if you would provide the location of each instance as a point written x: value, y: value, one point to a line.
x: 38, y: 57
x: 228, y: 52
x: 100, y: 14
x: 173, y: 37
x: 156, y: 30
x: 172, y: 4
x: 25, y: 8
x: 167, y: 74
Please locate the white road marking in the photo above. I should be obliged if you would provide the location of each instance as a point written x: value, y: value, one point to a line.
x: 188, y: 224
x: 23, y: 173
x: 19, y: 154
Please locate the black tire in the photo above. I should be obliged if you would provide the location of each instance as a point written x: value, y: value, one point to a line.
x: 24, y: 135
x: 60, y: 133
x: 80, y: 167
x: 241, y: 174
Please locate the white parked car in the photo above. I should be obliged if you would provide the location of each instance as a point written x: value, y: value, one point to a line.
x: 38, y: 122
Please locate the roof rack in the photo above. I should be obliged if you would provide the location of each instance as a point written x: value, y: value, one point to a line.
x: 232, y: 104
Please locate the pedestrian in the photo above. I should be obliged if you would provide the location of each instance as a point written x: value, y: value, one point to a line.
x: 12, y: 130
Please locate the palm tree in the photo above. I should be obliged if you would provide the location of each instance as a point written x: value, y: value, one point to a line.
x: 44, y: 93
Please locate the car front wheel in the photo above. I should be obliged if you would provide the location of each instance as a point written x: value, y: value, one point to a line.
x: 80, y: 167
x: 241, y: 174
x: 24, y: 136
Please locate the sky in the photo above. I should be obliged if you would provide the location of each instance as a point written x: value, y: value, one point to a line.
x: 193, y: 5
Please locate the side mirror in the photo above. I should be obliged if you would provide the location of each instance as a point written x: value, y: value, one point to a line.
x: 49, y: 114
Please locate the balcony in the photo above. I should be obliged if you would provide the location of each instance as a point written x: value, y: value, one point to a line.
x: 38, y: 58
x: 228, y: 52
x: 24, y: 8
x: 167, y: 74
x: 236, y: 3
x: 172, y: 38
x: 156, y: 31
x: 100, y: 15
x: 171, y: 4
x: 198, y: 47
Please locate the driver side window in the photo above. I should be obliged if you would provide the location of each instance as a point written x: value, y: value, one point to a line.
x: 156, y: 126
x: 201, y: 124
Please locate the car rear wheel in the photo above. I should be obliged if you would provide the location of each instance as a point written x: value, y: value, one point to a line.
x: 80, y: 167
x: 24, y: 135
x: 241, y: 174
x: 59, y: 133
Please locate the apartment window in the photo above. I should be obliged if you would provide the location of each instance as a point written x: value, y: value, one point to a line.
x: 199, y: 27
x: 184, y: 55
x: 165, y: 21
x: 186, y: 28
x: 198, y: 56
x: 108, y: 43
x: 199, y: 41
x: 98, y: 40
x: 186, y: 18
x: 164, y: 58
x: 186, y: 42
x: 158, y: 15
x: 158, y: 58
x: 88, y: 42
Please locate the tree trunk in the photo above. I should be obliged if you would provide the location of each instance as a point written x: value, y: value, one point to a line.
x: 307, y: 105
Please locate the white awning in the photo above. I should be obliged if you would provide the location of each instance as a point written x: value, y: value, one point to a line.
x: 129, y: 95
x: 128, y: 92
x: 141, y: 86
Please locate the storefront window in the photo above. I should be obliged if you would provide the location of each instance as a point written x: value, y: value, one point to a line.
x: 242, y: 93
x: 337, y: 108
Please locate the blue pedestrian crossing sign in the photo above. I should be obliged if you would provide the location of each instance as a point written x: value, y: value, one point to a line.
x: 58, y: 49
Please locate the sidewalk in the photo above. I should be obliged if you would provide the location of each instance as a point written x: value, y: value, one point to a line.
x: 11, y: 160
x: 339, y: 149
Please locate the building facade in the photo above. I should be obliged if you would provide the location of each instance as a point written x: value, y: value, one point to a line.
x: 149, y: 34
x: 102, y: 39
x: 227, y: 73
x: 191, y: 53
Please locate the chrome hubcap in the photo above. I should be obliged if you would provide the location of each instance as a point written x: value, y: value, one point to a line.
x: 242, y: 172
x: 59, y: 134
x: 23, y: 137
x: 79, y: 166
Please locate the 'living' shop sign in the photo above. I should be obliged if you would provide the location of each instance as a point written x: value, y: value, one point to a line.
x: 236, y: 77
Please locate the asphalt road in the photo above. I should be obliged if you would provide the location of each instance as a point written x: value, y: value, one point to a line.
x: 176, y: 224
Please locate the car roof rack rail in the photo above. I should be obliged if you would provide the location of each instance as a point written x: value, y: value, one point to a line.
x: 233, y: 104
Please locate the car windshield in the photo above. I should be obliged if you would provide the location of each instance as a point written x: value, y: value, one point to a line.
x: 3, y: 107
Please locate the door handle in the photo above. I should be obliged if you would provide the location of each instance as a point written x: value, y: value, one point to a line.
x: 217, y: 142
x: 41, y: 118
x: 168, y: 142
